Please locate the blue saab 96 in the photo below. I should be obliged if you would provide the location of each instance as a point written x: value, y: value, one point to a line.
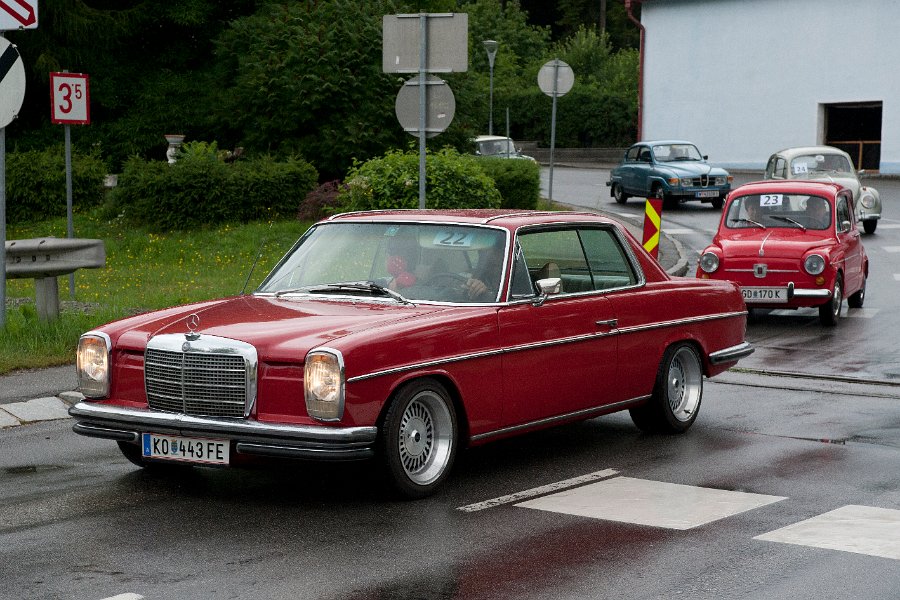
x: 672, y: 170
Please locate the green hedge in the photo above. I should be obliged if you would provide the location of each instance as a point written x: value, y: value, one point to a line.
x: 36, y: 184
x: 452, y: 180
x: 200, y: 189
x: 517, y: 180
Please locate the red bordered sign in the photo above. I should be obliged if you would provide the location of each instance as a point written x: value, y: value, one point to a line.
x: 70, y: 98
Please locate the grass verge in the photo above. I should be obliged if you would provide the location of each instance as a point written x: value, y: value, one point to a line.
x: 144, y: 271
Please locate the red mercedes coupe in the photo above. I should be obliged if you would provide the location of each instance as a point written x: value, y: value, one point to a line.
x: 405, y: 336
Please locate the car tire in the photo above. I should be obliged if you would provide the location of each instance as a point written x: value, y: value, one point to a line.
x: 677, y: 393
x: 869, y: 225
x: 619, y: 193
x: 419, y: 438
x: 858, y: 299
x: 718, y: 203
x: 667, y: 201
x: 830, y: 312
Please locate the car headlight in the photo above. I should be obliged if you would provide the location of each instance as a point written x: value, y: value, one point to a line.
x: 721, y: 180
x: 867, y: 200
x: 687, y: 181
x: 814, y: 264
x: 709, y: 262
x: 92, y: 364
x: 323, y: 384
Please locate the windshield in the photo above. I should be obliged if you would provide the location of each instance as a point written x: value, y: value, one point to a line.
x: 676, y: 152
x: 765, y: 211
x: 817, y: 164
x: 443, y: 263
x: 497, y: 147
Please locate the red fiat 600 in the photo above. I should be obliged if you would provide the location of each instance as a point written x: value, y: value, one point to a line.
x: 790, y: 244
x: 405, y: 336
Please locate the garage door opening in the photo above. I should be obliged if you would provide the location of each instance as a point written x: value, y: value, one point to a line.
x: 856, y: 129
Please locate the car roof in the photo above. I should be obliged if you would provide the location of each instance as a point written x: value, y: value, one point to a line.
x: 476, y: 216
x: 492, y: 138
x: 798, y: 150
x: 656, y: 142
x: 789, y: 186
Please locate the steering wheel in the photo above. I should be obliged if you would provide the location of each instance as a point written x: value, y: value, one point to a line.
x: 450, y: 279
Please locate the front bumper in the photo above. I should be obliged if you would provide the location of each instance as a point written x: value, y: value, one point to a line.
x: 247, y: 437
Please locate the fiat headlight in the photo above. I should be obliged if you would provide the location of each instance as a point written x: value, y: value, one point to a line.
x: 709, y: 262
x: 687, y: 181
x: 92, y: 364
x: 814, y: 264
x: 867, y: 200
x: 722, y: 179
x: 323, y: 385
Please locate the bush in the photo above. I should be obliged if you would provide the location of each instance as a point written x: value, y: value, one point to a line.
x: 452, y: 180
x: 321, y: 202
x: 517, y: 180
x: 36, y: 183
x: 200, y: 189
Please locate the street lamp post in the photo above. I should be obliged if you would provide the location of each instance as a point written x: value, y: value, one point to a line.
x: 491, y: 47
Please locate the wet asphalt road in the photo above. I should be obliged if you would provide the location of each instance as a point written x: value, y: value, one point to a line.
x: 808, y: 427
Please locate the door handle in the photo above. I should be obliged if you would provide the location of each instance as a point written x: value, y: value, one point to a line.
x: 608, y: 322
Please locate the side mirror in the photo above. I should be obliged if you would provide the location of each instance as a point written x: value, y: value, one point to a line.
x: 549, y: 286
x: 845, y: 226
x: 706, y: 157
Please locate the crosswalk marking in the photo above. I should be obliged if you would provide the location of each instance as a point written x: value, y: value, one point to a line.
x: 653, y: 503
x: 857, y: 529
x: 891, y: 249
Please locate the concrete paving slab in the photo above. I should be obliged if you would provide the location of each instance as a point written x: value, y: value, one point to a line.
x: 7, y: 420
x: 39, y: 409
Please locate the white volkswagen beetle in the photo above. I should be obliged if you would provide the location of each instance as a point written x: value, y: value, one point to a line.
x: 826, y: 163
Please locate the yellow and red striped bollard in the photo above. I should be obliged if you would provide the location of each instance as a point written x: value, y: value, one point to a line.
x: 652, y: 226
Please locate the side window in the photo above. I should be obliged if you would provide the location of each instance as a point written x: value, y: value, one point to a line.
x: 607, y: 260
x: 632, y: 154
x: 522, y: 285
x: 843, y: 212
x: 780, y: 168
x: 585, y: 259
x: 556, y: 253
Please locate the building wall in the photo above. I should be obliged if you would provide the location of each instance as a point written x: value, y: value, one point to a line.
x: 743, y: 78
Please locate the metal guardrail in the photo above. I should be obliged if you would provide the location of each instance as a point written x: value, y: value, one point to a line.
x: 45, y: 259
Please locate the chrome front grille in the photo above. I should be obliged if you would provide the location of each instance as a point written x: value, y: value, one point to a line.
x: 210, y: 376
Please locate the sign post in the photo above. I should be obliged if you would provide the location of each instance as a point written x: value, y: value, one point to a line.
x: 425, y: 43
x: 555, y: 79
x: 69, y: 103
x: 12, y: 93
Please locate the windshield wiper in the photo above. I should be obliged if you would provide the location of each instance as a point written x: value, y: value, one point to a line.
x: 760, y: 225
x: 363, y: 286
x: 788, y: 220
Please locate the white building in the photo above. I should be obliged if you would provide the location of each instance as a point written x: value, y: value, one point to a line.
x: 743, y: 78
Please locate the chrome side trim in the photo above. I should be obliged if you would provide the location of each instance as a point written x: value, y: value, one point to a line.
x: 732, y: 354
x: 676, y: 322
x: 474, y: 355
x: 107, y: 417
x: 545, y: 344
x: 578, y: 414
